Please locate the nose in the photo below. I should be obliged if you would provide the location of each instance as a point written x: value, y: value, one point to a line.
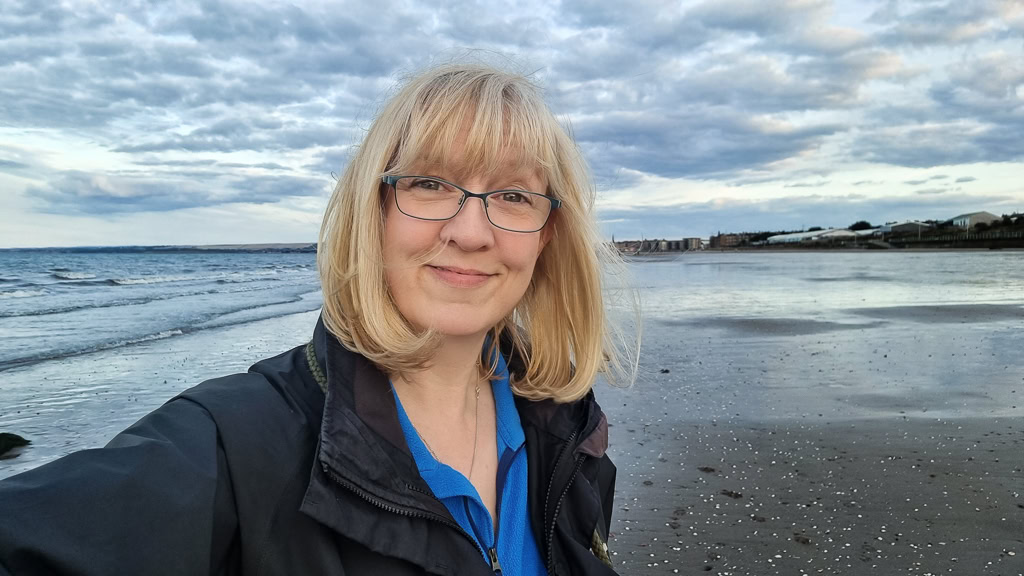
x: 469, y: 229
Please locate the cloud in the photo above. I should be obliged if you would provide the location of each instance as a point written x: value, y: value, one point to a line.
x: 149, y: 106
x: 76, y: 192
x: 680, y: 143
x: 807, y: 184
x: 940, y: 23
x: 966, y: 179
x: 932, y: 191
x: 11, y: 165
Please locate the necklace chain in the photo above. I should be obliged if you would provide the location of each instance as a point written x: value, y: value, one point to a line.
x: 476, y: 433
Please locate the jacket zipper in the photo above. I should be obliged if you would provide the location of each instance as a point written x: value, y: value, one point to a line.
x: 547, y: 500
x: 492, y: 553
x: 383, y: 505
x: 503, y: 467
x: 558, y: 508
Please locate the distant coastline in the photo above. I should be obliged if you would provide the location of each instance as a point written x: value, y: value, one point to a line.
x: 276, y: 248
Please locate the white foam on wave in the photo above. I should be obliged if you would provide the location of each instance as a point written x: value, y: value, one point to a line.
x: 21, y: 294
x: 147, y: 338
x: 67, y: 275
x: 149, y: 280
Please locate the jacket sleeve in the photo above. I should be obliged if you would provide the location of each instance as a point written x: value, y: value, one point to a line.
x: 607, y: 483
x: 156, y: 500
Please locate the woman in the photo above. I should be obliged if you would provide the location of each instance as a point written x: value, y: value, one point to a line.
x: 440, y: 420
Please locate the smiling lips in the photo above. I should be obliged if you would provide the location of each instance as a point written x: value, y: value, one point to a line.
x: 460, y: 277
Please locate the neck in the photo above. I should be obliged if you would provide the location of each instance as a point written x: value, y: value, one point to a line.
x: 449, y: 384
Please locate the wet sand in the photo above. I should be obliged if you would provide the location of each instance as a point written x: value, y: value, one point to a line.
x: 755, y: 447
x: 884, y: 497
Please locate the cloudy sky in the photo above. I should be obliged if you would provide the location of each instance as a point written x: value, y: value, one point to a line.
x: 220, y: 122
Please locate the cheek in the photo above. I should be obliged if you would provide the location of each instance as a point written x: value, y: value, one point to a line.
x: 522, y: 260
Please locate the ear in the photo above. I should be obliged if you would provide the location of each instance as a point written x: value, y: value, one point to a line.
x: 547, y: 233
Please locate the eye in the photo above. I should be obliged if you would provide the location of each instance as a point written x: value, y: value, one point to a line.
x: 426, y: 184
x: 515, y: 197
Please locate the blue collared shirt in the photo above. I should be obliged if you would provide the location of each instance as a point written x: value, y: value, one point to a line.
x: 514, y: 543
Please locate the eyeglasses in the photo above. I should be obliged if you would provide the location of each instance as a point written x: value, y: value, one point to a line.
x: 428, y: 198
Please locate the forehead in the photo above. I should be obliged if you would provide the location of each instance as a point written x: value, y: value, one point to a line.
x: 458, y: 168
x: 471, y: 139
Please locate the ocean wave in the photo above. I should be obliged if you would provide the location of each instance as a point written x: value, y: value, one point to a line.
x: 223, y: 318
x: 232, y: 289
x: 248, y: 280
x: 146, y: 338
x: 68, y: 275
x: 148, y: 280
x: 21, y: 294
x: 9, y: 279
x: 99, y: 347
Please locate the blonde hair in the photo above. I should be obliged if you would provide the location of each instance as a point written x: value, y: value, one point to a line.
x: 560, y: 327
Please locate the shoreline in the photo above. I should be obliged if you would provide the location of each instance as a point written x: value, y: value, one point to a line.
x: 749, y: 250
x: 80, y: 402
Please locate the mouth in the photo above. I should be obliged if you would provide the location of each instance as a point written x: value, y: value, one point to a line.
x: 463, y: 271
x: 460, y: 277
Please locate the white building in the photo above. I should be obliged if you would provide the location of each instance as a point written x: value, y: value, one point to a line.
x: 868, y: 233
x: 968, y: 221
x: 815, y: 236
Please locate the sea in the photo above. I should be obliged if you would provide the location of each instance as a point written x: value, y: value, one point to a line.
x: 55, y: 305
x: 92, y: 341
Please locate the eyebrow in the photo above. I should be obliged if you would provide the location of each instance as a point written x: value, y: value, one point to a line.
x: 456, y: 173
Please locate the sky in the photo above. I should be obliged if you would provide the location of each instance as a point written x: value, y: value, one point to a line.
x: 179, y: 122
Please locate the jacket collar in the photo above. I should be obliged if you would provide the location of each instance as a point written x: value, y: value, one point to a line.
x: 361, y: 439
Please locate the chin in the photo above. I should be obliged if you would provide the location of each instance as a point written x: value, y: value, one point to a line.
x: 457, y: 320
x: 454, y: 327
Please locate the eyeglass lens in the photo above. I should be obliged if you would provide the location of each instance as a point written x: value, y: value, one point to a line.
x: 432, y: 199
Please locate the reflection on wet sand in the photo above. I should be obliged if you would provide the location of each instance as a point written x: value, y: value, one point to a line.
x: 848, y: 426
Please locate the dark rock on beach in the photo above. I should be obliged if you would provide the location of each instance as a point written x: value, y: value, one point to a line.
x: 11, y: 444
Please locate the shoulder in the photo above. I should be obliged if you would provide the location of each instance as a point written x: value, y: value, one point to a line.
x: 272, y: 411
x: 281, y: 386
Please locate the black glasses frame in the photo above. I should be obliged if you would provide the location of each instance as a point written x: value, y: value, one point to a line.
x: 393, y: 180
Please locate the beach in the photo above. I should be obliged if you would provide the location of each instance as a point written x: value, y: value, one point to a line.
x: 746, y: 459
x: 793, y: 414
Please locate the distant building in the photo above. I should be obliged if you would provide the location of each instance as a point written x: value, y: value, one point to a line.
x: 837, y: 234
x: 830, y: 235
x: 795, y: 237
x: 968, y: 221
x: 628, y: 246
x: 728, y: 240
x: 692, y: 244
x: 909, y: 227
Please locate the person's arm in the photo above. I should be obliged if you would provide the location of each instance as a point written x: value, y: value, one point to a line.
x: 156, y: 500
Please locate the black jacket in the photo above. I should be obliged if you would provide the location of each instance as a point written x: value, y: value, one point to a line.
x: 264, y: 473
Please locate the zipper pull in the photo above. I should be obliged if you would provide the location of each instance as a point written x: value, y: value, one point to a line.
x: 492, y: 553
